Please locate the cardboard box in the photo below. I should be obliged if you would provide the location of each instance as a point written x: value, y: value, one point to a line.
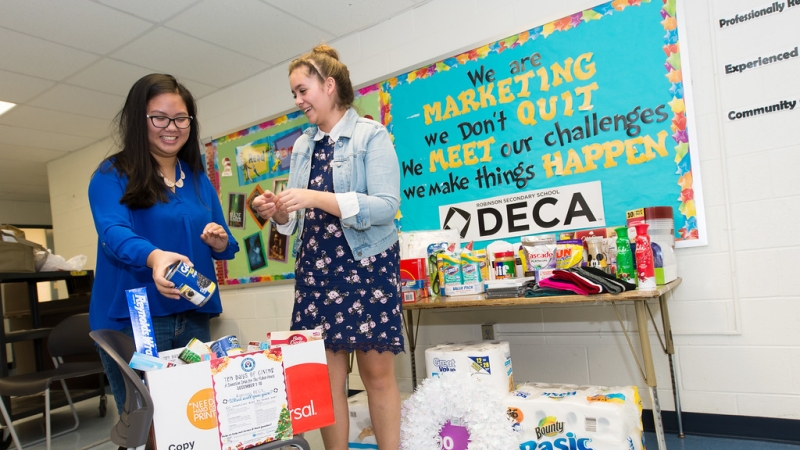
x: 361, y: 434
x: 226, y: 403
x: 187, y: 398
x: 414, y: 281
x: 294, y: 337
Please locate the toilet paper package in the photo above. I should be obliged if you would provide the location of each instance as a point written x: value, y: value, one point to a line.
x: 487, y: 361
x: 362, y: 435
x: 576, y: 417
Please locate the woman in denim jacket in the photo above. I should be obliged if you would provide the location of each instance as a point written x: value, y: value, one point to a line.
x: 342, y: 198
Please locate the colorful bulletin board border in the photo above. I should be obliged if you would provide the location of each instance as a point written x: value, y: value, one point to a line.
x: 592, y: 104
x: 245, y: 163
x: 594, y: 96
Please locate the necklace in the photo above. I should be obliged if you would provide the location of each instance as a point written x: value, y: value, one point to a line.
x: 177, y: 183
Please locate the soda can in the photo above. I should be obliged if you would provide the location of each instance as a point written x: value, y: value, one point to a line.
x: 226, y: 346
x: 193, y: 286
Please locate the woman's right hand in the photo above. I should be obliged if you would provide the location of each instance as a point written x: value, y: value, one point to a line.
x: 265, y: 205
x: 159, y: 261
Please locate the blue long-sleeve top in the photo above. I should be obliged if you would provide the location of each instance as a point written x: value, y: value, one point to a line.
x: 126, y: 237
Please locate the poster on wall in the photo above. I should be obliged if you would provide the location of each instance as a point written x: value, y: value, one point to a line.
x: 565, y: 126
x: 254, y: 160
x: 757, y: 44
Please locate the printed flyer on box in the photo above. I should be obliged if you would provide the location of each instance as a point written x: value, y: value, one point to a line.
x: 250, y: 392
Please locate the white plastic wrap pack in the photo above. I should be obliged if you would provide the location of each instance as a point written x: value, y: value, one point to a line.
x: 487, y: 361
x: 551, y: 416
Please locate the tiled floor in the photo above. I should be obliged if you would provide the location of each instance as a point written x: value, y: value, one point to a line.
x: 94, y: 431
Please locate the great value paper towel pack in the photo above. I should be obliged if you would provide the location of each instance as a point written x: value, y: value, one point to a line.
x: 487, y: 361
x: 576, y: 417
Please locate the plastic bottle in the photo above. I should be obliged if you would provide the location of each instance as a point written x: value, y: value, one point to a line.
x: 625, y: 269
x: 645, y: 266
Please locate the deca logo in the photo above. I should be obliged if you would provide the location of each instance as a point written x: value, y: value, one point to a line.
x: 457, y: 219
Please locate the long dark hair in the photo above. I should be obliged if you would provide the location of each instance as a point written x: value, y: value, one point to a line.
x: 145, y: 186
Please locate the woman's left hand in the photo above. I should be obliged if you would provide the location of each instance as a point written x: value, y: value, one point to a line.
x: 214, y: 236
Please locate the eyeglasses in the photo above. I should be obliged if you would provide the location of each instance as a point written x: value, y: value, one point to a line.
x: 163, y: 121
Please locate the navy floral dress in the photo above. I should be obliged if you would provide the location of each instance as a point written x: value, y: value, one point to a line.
x: 357, y: 302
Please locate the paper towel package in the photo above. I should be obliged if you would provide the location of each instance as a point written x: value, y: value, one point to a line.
x: 361, y: 433
x: 488, y: 361
x: 576, y: 417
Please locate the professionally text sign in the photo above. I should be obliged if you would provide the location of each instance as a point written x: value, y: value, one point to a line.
x: 568, y: 207
x: 594, y: 97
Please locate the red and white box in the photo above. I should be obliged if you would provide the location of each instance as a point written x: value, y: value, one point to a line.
x: 308, y: 385
x: 281, y: 338
x: 413, y: 279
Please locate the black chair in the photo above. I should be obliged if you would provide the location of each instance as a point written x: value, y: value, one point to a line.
x: 134, y: 424
x: 133, y: 427
x: 69, y: 338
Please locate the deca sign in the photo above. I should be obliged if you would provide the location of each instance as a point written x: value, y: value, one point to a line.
x: 562, y: 208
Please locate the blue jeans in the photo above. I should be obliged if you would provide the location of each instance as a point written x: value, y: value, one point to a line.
x: 171, y: 332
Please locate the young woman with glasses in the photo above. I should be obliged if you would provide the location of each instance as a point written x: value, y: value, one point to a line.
x: 154, y: 206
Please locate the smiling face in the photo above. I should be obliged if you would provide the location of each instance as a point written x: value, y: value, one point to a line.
x: 167, y: 142
x: 315, y: 99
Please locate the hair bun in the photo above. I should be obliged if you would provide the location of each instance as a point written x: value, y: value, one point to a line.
x: 328, y: 50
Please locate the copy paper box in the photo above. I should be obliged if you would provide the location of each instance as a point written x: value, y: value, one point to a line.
x: 308, y: 386
x: 184, y: 410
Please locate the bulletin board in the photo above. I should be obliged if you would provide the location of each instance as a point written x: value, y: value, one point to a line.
x: 241, y: 166
x: 565, y: 126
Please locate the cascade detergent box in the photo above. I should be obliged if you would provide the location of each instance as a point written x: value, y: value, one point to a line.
x: 242, y: 400
x: 576, y: 417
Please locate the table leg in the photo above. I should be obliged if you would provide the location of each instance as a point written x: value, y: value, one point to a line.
x: 412, y: 345
x: 649, y: 369
x: 670, y: 349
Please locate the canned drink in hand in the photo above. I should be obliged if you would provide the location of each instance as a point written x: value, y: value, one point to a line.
x: 193, y: 286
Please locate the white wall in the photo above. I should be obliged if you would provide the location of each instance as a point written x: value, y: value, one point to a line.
x: 736, y: 317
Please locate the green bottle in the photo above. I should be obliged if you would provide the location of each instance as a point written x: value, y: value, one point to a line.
x: 625, y: 268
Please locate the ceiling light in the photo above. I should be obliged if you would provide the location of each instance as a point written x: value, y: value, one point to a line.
x: 5, y: 106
